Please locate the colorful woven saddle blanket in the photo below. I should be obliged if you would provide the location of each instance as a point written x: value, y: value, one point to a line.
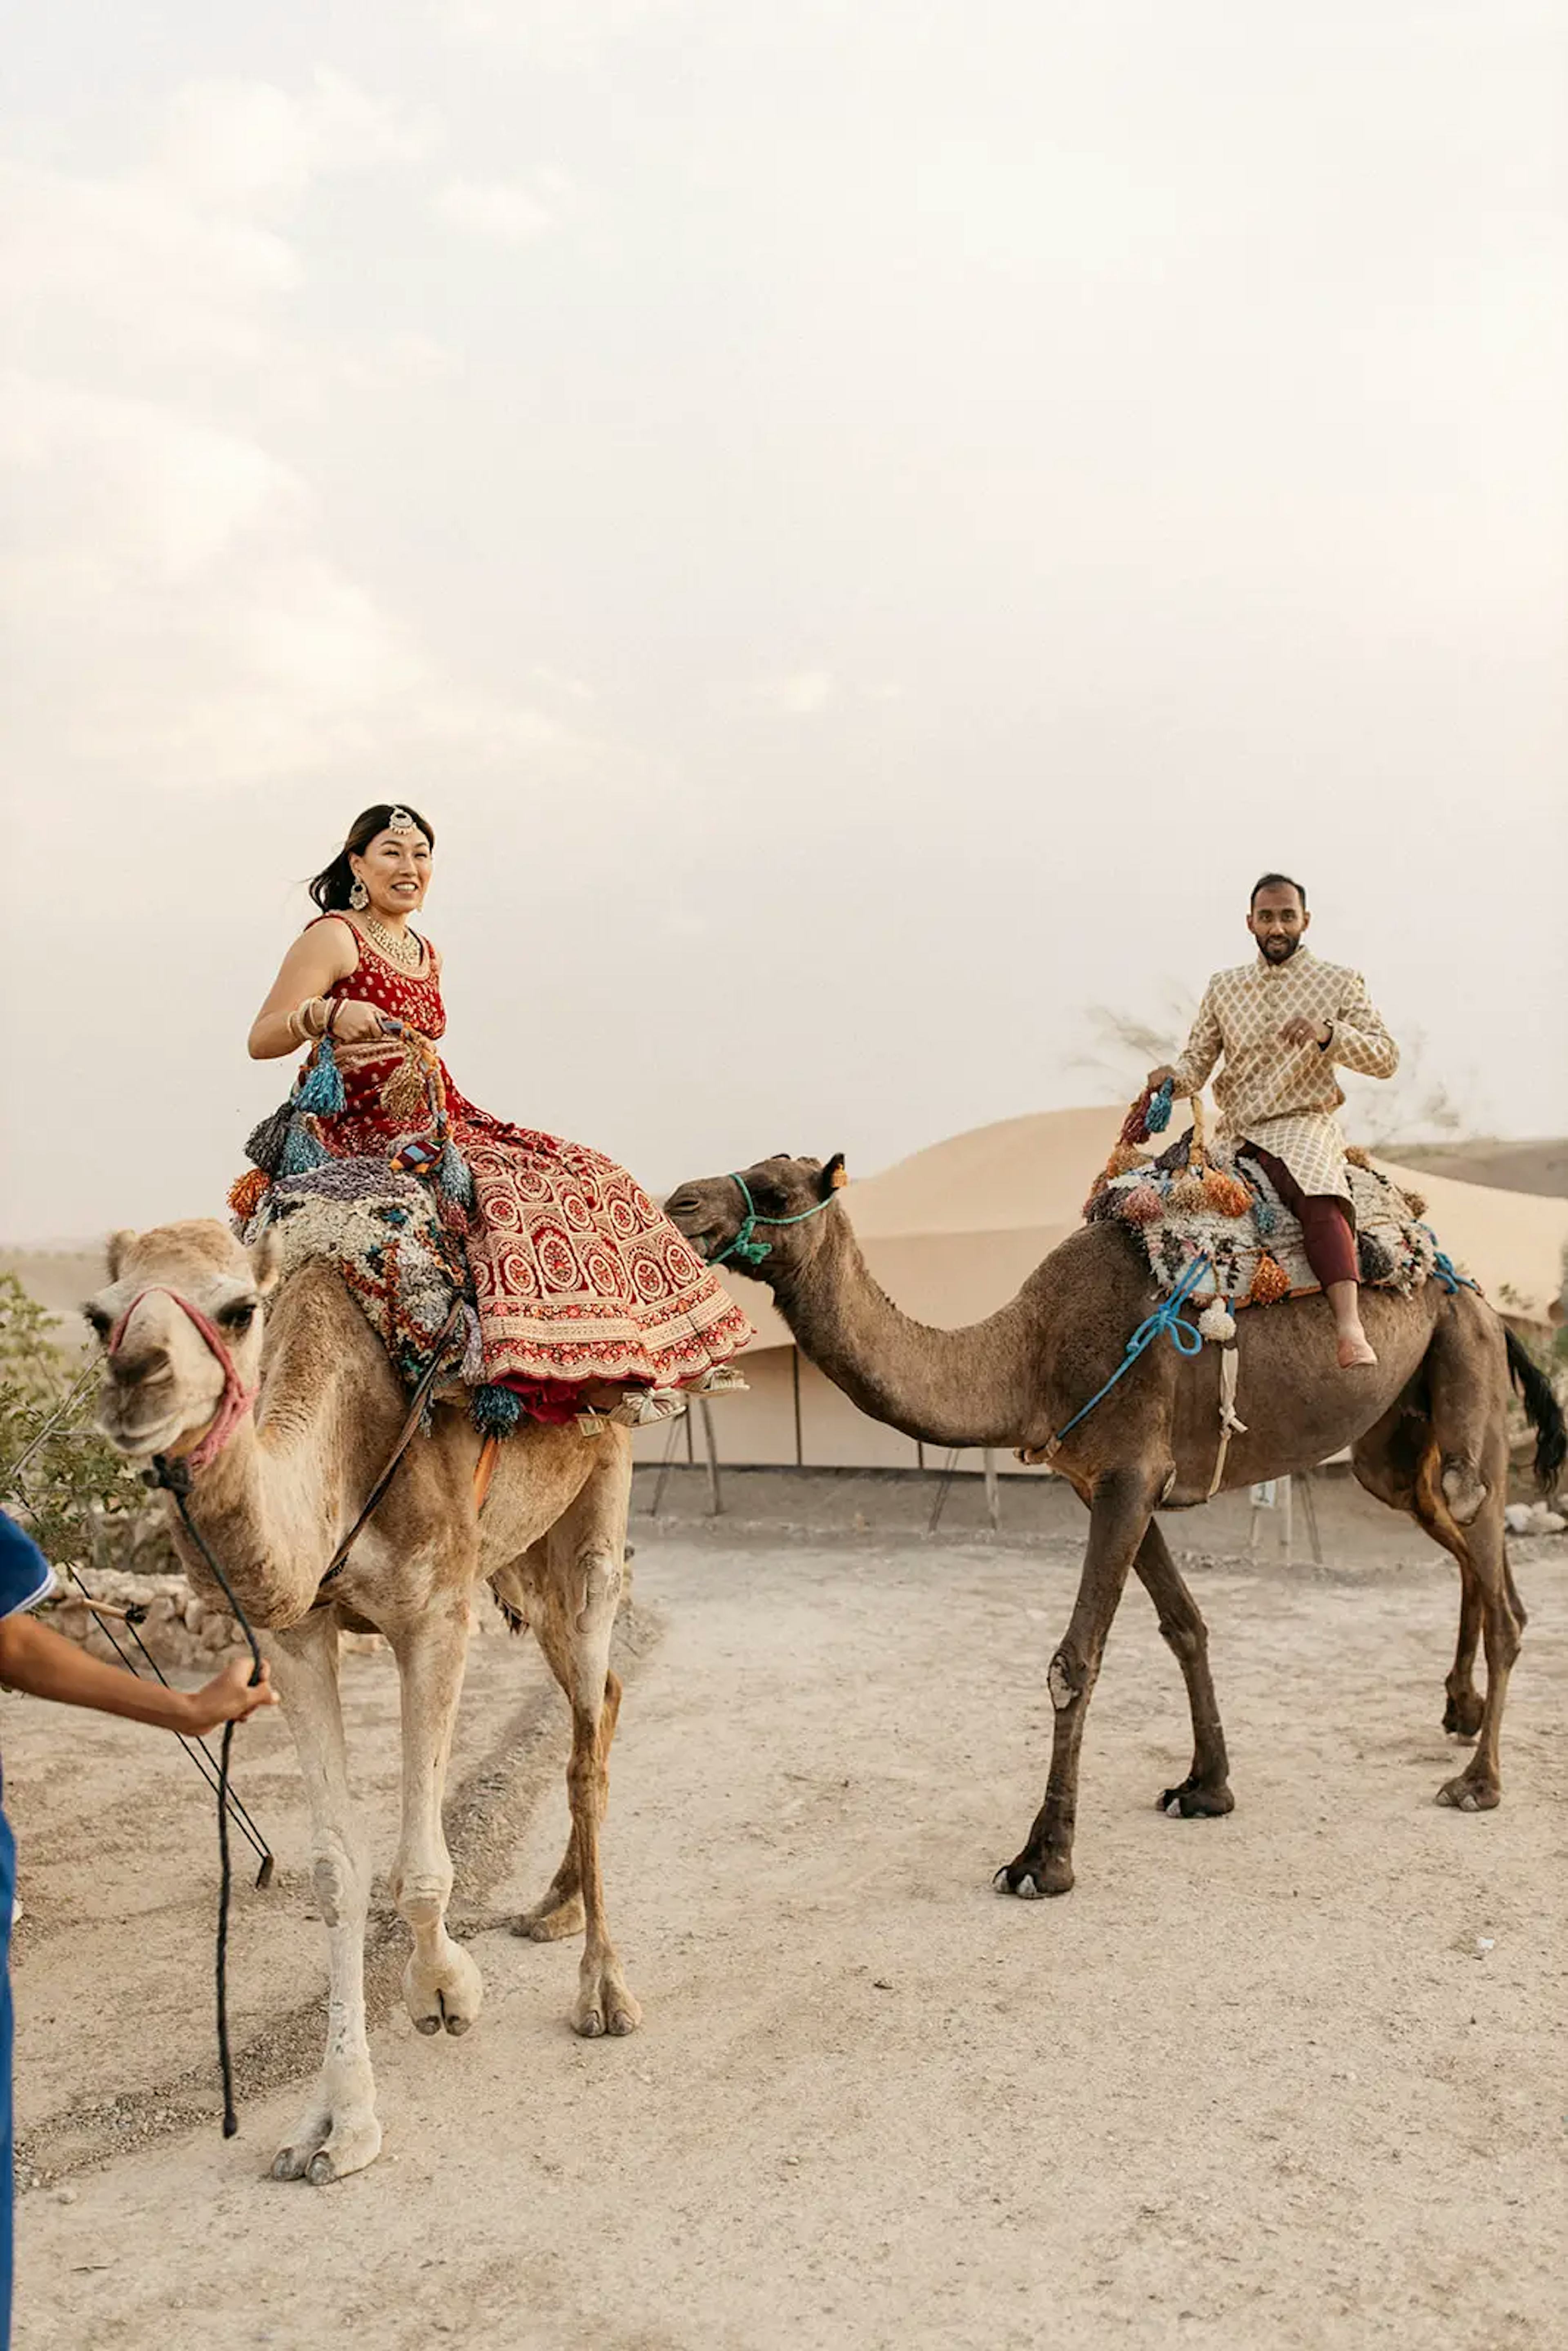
x: 1227, y: 1211
x: 383, y: 1232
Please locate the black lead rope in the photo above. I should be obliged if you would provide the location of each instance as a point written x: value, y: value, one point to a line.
x: 175, y: 1479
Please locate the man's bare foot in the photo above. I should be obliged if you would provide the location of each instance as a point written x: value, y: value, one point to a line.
x: 1355, y: 1349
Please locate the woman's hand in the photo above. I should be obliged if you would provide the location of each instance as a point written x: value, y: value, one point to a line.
x: 356, y: 1023
x: 229, y: 1697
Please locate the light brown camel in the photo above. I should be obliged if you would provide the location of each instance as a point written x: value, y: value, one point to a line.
x: 273, y: 1505
x: 1427, y: 1428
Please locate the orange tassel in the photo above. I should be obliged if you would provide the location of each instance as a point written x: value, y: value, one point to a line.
x: 1186, y: 1193
x: 1225, y: 1194
x: 1269, y: 1283
x: 1356, y: 1156
x: 1125, y: 1157
x: 247, y: 1192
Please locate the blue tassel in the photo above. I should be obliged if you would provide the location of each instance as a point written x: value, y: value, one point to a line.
x: 1263, y: 1215
x: 455, y: 1176
x: 1158, y: 1117
x: 301, y: 1150
x: 493, y: 1411
x: 323, y: 1090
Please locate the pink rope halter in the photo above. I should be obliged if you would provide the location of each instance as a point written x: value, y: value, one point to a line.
x: 236, y: 1398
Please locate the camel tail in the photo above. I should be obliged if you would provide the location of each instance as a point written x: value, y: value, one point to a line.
x: 1544, y: 1413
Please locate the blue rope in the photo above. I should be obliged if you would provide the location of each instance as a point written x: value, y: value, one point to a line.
x: 1184, y: 1339
x: 1448, y: 1274
x: 752, y: 1253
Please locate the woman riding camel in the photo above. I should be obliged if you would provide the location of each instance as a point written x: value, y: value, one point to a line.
x: 588, y: 1298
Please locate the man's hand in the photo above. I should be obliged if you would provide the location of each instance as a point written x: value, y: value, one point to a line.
x: 1157, y: 1077
x: 1303, y: 1032
x: 229, y: 1698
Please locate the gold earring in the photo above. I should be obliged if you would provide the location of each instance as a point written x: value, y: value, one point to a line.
x: 359, y: 896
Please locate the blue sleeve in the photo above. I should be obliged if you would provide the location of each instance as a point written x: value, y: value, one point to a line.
x: 26, y: 1575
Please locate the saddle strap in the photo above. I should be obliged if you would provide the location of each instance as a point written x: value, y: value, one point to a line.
x: 1229, y: 1426
x: 405, y: 1437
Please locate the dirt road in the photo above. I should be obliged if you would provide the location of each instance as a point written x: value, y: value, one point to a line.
x: 1255, y: 2084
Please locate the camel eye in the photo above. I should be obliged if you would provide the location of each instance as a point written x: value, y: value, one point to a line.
x: 97, y: 1320
x: 239, y: 1316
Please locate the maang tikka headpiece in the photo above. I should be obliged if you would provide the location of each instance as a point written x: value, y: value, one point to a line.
x: 400, y: 820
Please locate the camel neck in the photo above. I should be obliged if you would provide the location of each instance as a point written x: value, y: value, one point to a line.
x: 268, y: 1506
x: 944, y: 1387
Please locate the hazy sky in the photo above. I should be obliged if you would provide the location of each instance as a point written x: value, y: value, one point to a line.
x: 863, y: 525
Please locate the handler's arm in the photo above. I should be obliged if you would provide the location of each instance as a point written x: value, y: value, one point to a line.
x: 1358, y: 1038
x: 34, y: 1658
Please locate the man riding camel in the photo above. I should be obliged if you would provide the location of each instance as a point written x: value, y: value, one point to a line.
x: 1282, y: 1023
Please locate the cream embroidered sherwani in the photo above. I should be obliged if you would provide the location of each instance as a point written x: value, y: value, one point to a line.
x: 1285, y: 1097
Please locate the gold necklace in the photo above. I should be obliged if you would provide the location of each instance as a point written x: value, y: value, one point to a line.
x: 402, y: 948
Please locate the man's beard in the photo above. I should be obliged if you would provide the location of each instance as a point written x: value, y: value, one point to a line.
x: 1279, y: 950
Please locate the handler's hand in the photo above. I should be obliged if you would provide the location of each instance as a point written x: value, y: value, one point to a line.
x: 1157, y: 1077
x: 1303, y: 1032
x: 228, y: 1696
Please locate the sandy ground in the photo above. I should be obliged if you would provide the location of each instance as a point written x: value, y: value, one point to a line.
x: 1254, y: 2084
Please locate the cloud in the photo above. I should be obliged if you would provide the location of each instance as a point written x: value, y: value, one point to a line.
x: 176, y: 610
x: 801, y: 694
x: 553, y: 32
x: 249, y: 143
x: 507, y: 215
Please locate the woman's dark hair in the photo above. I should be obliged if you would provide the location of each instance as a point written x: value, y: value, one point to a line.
x: 331, y: 886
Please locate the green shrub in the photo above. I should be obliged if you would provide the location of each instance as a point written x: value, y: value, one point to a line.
x: 75, y: 1494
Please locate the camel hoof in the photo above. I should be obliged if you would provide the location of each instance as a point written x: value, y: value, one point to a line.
x: 1470, y: 1796
x: 427, y: 2025
x: 321, y: 2170
x: 604, y: 2006
x: 1192, y: 1802
x: 291, y: 2162
x: 1034, y: 1881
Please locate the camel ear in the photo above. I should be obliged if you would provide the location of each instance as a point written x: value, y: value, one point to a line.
x: 265, y: 1254
x: 834, y: 1175
x: 118, y: 1249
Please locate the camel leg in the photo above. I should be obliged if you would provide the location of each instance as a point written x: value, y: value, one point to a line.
x: 1388, y: 1462
x: 338, y: 2131
x: 1479, y: 1788
x: 1118, y: 1520
x: 558, y: 1912
x: 1205, y: 1793
x: 441, y: 1984
x: 573, y: 1623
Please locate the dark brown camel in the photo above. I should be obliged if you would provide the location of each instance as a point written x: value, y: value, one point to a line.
x: 1427, y: 1428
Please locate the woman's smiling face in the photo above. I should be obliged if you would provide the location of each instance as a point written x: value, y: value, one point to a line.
x: 395, y: 869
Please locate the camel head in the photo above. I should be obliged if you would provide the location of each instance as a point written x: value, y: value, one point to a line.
x: 163, y: 1384
x: 761, y: 1219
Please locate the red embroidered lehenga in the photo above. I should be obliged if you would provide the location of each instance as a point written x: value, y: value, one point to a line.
x: 577, y: 1275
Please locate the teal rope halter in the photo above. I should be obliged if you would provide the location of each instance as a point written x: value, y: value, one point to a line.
x: 752, y: 1253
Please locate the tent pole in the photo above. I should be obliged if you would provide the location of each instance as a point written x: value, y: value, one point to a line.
x: 715, y: 1500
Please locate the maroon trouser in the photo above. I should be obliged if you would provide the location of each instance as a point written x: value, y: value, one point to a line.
x: 1327, y: 1222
